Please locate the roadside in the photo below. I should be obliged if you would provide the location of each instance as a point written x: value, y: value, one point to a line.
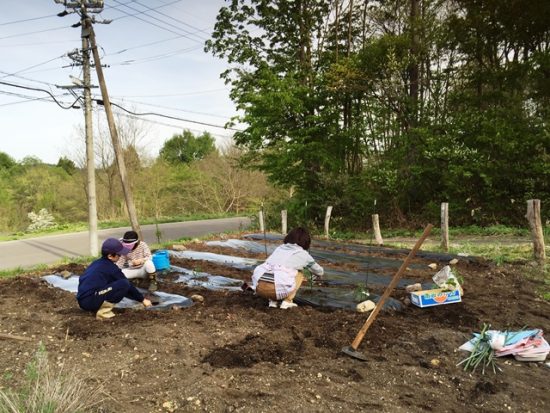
x: 56, y: 248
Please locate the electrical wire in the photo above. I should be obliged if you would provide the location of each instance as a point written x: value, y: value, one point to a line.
x: 172, y: 108
x: 186, y: 35
x: 35, y: 44
x: 28, y: 20
x: 155, y: 122
x: 156, y: 57
x: 143, y: 45
x: 156, y: 18
x: 33, y: 66
x: 41, y: 90
x: 123, y: 98
x: 26, y: 98
x: 200, y: 92
x: 197, y: 30
x: 29, y: 79
x: 100, y: 102
x: 35, y: 32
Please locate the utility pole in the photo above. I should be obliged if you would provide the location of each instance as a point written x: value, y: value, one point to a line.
x: 90, y: 156
x: 83, y: 58
x: 114, y: 137
x: 88, y: 42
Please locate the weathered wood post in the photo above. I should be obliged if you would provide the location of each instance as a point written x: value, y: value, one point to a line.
x: 327, y: 221
x: 445, y: 226
x: 376, y: 229
x: 261, y: 220
x: 284, y: 221
x: 533, y: 216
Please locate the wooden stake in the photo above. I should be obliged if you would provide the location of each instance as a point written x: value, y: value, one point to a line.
x: 327, y: 221
x: 14, y: 337
x: 445, y: 226
x: 284, y: 221
x: 533, y: 216
x: 376, y: 229
x: 261, y: 220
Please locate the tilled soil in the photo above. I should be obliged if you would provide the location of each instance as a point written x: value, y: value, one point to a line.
x: 234, y: 354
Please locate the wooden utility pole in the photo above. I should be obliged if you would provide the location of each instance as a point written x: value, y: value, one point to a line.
x: 90, y: 158
x: 82, y: 57
x: 533, y: 216
x: 114, y: 136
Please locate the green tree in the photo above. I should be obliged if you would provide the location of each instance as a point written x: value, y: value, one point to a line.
x: 186, y: 147
x: 6, y: 161
x: 67, y: 165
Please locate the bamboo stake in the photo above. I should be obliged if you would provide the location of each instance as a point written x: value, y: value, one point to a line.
x: 393, y: 283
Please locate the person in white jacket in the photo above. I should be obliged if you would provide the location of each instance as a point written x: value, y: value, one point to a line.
x: 280, y: 276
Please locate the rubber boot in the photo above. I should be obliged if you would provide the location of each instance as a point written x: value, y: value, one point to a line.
x: 153, y: 286
x: 105, y: 311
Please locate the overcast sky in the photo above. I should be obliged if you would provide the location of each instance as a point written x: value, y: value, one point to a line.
x: 154, y: 49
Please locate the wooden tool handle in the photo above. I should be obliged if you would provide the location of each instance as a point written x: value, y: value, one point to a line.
x: 390, y: 288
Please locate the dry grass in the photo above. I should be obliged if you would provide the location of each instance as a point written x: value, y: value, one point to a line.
x: 51, y: 389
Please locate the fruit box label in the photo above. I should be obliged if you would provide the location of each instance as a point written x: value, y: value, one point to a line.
x: 430, y: 298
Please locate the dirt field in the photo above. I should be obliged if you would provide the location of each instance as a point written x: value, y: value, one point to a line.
x: 234, y: 354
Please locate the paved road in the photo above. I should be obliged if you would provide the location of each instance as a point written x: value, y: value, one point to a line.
x: 53, y: 248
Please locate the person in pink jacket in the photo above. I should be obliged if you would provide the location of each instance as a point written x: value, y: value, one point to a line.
x: 280, y: 276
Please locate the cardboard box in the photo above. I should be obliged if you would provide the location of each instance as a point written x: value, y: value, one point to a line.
x: 431, y: 298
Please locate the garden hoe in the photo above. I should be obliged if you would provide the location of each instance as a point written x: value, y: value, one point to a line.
x: 352, y: 350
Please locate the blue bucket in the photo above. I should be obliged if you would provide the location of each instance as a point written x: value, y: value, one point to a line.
x: 161, y: 259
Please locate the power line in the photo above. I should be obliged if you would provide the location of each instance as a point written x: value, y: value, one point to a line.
x: 157, y: 57
x: 199, y: 92
x: 176, y: 20
x: 32, y: 67
x: 28, y: 20
x: 100, y: 102
x: 186, y: 35
x: 40, y: 90
x: 176, y: 109
x: 28, y: 79
x: 143, y: 45
x: 26, y: 98
x: 35, y: 44
x: 35, y: 32
x: 155, y: 122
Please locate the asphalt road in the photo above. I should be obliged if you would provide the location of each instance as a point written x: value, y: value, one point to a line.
x: 53, y: 248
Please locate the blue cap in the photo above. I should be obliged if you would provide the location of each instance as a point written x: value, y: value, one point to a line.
x: 113, y: 246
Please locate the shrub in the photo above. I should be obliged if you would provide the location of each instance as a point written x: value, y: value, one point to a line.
x: 42, y: 220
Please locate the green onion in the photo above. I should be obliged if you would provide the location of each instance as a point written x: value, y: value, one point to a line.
x: 482, y: 354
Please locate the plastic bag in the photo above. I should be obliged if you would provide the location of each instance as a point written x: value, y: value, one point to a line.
x: 447, y: 280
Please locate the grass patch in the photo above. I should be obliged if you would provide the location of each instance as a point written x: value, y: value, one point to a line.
x: 83, y: 226
x: 44, y: 268
x: 51, y: 389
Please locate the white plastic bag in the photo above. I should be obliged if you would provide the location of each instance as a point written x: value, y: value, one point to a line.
x: 447, y: 280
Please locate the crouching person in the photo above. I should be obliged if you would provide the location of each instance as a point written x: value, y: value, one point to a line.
x: 103, y: 284
x: 138, y: 263
x: 280, y: 276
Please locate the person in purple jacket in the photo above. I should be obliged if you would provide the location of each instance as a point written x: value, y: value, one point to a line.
x: 103, y: 284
